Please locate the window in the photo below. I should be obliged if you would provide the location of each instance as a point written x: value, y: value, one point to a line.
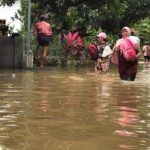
x: 3, y: 29
x: 2, y: 22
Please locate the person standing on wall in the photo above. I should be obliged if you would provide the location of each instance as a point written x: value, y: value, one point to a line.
x: 127, y: 69
x: 43, y: 33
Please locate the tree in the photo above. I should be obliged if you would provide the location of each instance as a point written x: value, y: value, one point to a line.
x: 71, y: 14
x: 7, y: 2
x: 88, y: 17
x: 143, y: 29
x: 135, y: 11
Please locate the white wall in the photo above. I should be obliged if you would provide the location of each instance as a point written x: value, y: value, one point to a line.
x: 7, y: 12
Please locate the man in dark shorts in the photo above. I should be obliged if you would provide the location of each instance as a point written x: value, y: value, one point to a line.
x: 43, y: 32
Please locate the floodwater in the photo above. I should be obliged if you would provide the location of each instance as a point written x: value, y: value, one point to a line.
x: 74, y: 109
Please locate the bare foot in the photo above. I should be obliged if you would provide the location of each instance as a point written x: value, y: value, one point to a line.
x: 41, y: 66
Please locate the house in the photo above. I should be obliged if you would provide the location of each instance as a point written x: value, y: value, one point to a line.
x: 6, y: 14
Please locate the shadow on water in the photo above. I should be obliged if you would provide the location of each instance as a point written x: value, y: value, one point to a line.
x: 74, y: 109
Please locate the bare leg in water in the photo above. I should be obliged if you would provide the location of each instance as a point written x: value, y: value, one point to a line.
x: 44, y: 56
x: 36, y: 59
x: 37, y: 52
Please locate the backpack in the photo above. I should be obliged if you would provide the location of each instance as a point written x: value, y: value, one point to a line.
x: 128, y: 50
x: 93, y: 52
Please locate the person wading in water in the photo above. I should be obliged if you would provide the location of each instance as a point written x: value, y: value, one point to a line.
x: 127, y: 69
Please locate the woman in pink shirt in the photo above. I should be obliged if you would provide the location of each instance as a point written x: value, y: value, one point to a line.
x: 127, y: 69
x: 43, y: 32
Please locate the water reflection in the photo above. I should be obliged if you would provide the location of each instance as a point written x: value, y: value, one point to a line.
x: 74, y: 110
x: 103, y: 91
x: 130, y: 108
x: 43, y: 103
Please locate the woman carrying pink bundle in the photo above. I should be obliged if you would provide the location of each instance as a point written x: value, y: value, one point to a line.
x: 128, y: 48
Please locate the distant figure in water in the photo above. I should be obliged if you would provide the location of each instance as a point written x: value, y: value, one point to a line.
x: 146, y: 53
x: 127, y: 69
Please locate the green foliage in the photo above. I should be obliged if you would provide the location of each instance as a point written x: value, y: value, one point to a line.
x: 89, y: 17
x: 7, y: 2
x: 135, y: 11
x: 4, y: 29
x: 73, y: 19
x: 91, y: 32
x: 72, y: 15
x: 143, y: 29
x: 55, y: 47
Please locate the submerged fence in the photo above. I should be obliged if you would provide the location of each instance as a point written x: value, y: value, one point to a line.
x: 11, y: 52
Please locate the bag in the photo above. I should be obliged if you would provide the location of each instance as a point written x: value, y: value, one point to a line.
x: 107, y: 51
x: 114, y: 58
x: 128, y: 50
x: 92, y: 51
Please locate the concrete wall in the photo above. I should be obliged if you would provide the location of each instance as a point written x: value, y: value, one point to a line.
x: 11, y: 52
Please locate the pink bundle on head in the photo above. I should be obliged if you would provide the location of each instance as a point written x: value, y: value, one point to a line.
x: 102, y: 35
x: 127, y: 29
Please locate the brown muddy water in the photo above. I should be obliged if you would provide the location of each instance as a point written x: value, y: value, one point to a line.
x: 74, y: 109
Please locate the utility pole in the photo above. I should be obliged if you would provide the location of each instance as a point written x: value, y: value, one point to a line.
x: 29, y: 52
x: 28, y: 27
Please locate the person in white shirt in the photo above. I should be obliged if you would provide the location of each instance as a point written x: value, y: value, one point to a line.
x: 146, y: 53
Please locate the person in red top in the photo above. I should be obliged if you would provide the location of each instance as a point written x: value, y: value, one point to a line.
x: 43, y: 33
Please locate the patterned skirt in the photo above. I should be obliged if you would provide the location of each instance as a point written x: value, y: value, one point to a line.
x: 102, y: 65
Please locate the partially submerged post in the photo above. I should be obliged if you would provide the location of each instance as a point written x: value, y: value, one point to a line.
x: 28, y: 56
